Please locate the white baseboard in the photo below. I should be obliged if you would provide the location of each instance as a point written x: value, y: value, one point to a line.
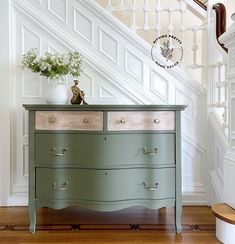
x: 194, y: 199
x: 18, y: 200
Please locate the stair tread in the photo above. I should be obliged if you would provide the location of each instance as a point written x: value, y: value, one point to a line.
x: 224, y: 212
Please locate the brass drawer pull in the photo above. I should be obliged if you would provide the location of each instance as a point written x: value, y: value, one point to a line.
x: 62, y: 153
x: 151, y: 188
x: 150, y: 153
x: 63, y: 187
x: 51, y: 120
x: 86, y: 121
x: 157, y: 121
x: 122, y: 121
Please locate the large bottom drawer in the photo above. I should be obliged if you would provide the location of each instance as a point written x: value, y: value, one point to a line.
x: 105, y: 185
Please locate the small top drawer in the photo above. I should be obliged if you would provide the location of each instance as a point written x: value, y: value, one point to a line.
x: 141, y: 120
x: 69, y: 120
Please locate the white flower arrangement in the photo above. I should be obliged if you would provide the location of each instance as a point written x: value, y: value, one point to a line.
x: 53, y: 66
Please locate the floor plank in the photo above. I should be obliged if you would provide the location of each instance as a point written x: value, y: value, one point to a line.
x: 132, y: 225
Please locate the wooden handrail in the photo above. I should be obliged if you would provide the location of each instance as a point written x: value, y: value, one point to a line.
x: 201, y: 4
x: 220, y: 12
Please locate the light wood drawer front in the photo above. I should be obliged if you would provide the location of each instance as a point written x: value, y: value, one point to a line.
x: 105, y: 185
x: 143, y: 120
x: 109, y: 150
x: 69, y: 120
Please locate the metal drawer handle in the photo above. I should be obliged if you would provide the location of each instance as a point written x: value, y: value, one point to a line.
x: 150, y: 153
x: 151, y: 188
x: 122, y: 121
x: 157, y: 121
x: 62, y: 153
x: 63, y: 187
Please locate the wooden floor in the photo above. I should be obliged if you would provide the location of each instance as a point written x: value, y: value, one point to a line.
x: 133, y: 225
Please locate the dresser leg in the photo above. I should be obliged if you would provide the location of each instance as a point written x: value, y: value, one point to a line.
x: 32, y: 219
x: 178, y: 213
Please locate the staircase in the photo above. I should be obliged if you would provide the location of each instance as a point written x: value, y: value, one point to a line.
x: 119, y: 69
x: 209, y: 70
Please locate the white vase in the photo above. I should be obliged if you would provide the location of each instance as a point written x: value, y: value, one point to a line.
x: 56, y: 93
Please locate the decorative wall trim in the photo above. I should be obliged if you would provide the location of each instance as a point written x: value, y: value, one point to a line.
x: 105, y: 47
x: 24, y: 30
x: 50, y: 9
x: 216, y: 124
x: 105, y: 94
x: 88, y: 84
x: 134, y: 65
x: 182, y: 98
x: 215, y: 181
x: 163, y: 92
x: 88, y: 38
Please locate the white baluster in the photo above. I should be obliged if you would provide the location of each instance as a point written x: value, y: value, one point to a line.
x: 121, y: 4
x: 183, y: 8
x: 133, y: 10
x: 222, y: 89
x: 218, y: 85
x: 170, y: 25
x: 146, y: 11
x: 158, y: 17
x: 226, y: 98
x: 194, y: 46
x: 109, y: 6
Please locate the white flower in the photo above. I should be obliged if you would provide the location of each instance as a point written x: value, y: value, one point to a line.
x: 53, y: 66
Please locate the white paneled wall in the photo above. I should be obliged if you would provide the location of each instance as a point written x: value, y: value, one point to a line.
x: 118, y: 69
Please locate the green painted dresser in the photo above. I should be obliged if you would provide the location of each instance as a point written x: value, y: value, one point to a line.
x: 104, y: 157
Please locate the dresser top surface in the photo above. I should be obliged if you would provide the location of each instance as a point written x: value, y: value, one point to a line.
x: 118, y: 107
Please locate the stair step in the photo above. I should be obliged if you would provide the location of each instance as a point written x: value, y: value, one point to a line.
x: 224, y: 212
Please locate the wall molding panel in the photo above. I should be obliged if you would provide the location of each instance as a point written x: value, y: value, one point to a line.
x: 83, y: 26
x: 59, y: 9
x: 159, y: 86
x: 134, y: 65
x: 109, y: 46
x: 118, y: 69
